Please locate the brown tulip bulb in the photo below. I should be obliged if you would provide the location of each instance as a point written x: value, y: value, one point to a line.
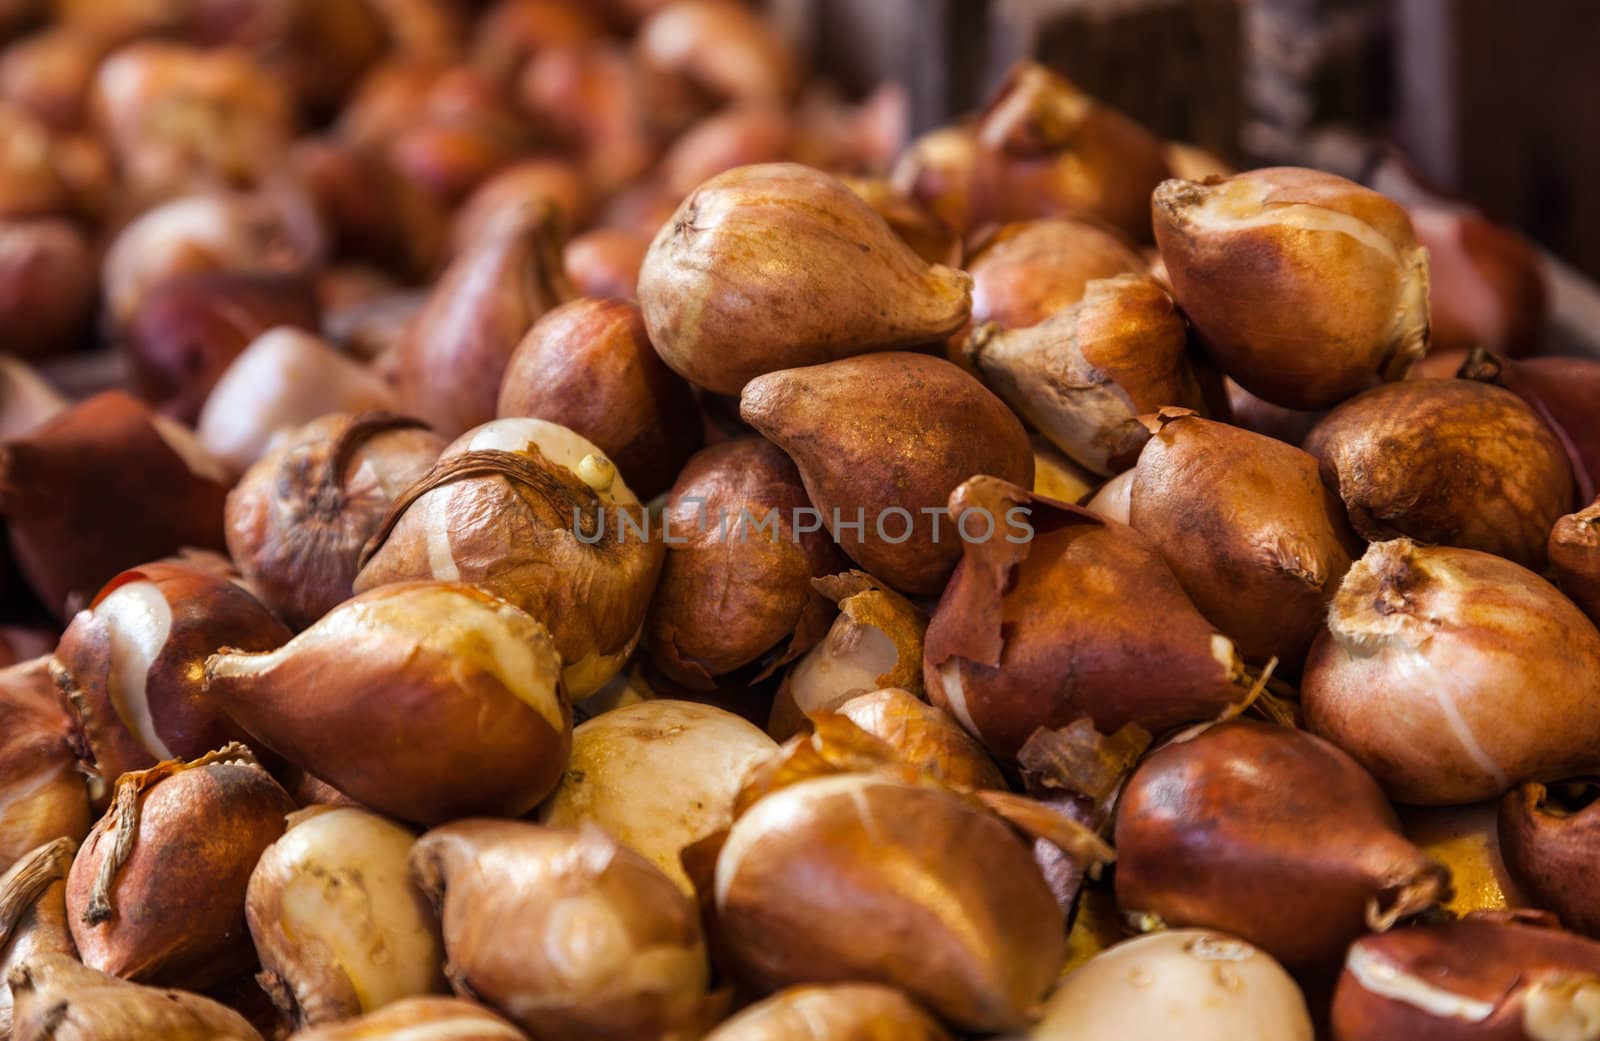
x: 31, y: 184
x: 157, y: 892
x: 936, y: 171
x: 1453, y: 675
x: 298, y: 519
x: 536, y: 514
x: 589, y: 366
x: 924, y: 736
x: 337, y: 922
x: 512, y: 31
x: 1548, y: 837
x: 568, y: 933
x: 47, y: 287
x: 190, y: 328
x: 874, y: 642
x: 1520, y: 978
x: 595, y: 98
x: 449, y: 367
x: 965, y: 923
x: 726, y: 50
x: 371, y: 213
x: 130, y: 664
x: 56, y: 482
x: 774, y: 266
x: 604, y: 263
x: 1024, y: 273
x: 886, y: 465
x: 215, y: 231
x: 444, y: 1019
x: 49, y: 72
x: 58, y: 999
x: 33, y: 913
x: 1007, y: 653
x: 1085, y: 374
x: 556, y: 184
x: 179, y: 118
x: 1210, y: 832
x: 917, y: 225
x: 736, y: 585
x: 1046, y: 149
x: 739, y: 136
x: 466, y: 131
x: 659, y: 775
x: 1453, y: 462
x: 42, y: 794
x: 832, y: 1012
x: 1575, y: 558
x: 426, y: 701
x: 1563, y: 391
x: 1488, y: 285
x: 1303, y: 286
x: 1245, y: 523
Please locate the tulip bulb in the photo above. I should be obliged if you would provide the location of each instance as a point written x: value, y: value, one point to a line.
x: 1488, y: 283
x: 47, y: 287
x: 157, y: 892
x: 1575, y: 558
x: 1209, y: 833
x: 1549, y: 835
x: 56, y: 482
x: 659, y: 775
x: 924, y: 736
x: 819, y: 274
x: 298, y: 519
x: 604, y: 263
x: 130, y: 664
x: 890, y: 468
x: 726, y: 50
x: 33, y: 913
x: 832, y: 1012
x: 1563, y: 392
x: 568, y: 933
x: 1303, y: 286
x: 554, y: 184
x: 507, y: 508
x: 1454, y: 675
x: 338, y: 925
x: 426, y: 701
x: 1007, y: 654
x: 439, y: 1019
x: 42, y: 794
x: 57, y: 999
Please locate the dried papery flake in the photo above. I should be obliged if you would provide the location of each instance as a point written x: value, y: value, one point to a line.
x: 1210, y: 831
x: 1084, y: 375
x: 1004, y: 635
x: 924, y: 736
x: 157, y: 892
x: 33, y: 913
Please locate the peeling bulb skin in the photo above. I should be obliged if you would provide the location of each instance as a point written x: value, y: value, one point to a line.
x: 1516, y: 976
x: 1550, y: 838
x: 836, y: 1012
x: 1025, y: 272
x: 1189, y: 983
x: 33, y: 913
x: 928, y: 427
x: 567, y: 933
x: 660, y: 776
x: 58, y: 999
x: 1245, y: 523
x: 1304, y: 287
x: 820, y: 277
x: 924, y: 737
x: 338, y: 925
x: 1453, y: 462
x: 1453, y: 675
x: 1210, y: 833
x: 1084, y: 375
x: 425, y: 701
x: 1574, y: 549
x: 43, y: 795
x: 966, y: 925
x: 130, y: 664
x: 1003, y: 642
x: 428, y: 1019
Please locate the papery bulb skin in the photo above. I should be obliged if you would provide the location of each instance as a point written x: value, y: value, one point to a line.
x: 659, y: 775
x: 338, y: 925
x: 730, y: 595
x: 538, y: 515
x: 58, y: 999
x: 55, y: 484
x: 1303, y: 286
x: 1454, y: 462
x: 1453, y: 675
x: 447, y: 1019
x: 1209, y: 825
x: 33, y: 913
x: 820, y: 276
x: 130, y: 664
x: 589, y: 366
x: 426, y: 701
x: 449, y: 367
x: 839, y: 1011
x: 157, y: 893
x: 298, y: 519
x: 566, y: 932
x: 924, y: 736
x: 1007, y: 654
x: 928, y: 427
x: 1574, y: 549
x: 43, y: 796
